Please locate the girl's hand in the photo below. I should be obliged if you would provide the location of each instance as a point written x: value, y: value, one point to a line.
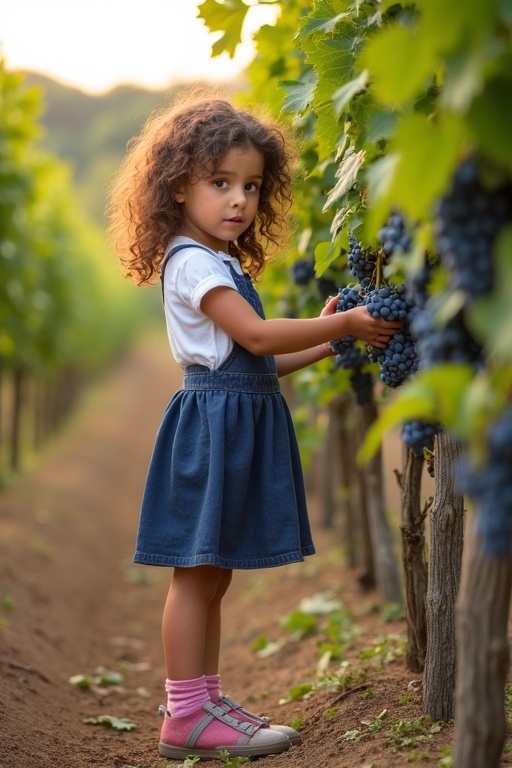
x: 329, y: 309
x: 330, y: 306
x: 363, y: 326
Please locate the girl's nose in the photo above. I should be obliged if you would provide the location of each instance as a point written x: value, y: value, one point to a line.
x: 239, y: 198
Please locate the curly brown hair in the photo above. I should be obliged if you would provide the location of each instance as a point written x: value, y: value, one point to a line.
x: 186, y: 142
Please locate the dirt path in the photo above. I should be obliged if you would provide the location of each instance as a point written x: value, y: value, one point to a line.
x: 71, y: 601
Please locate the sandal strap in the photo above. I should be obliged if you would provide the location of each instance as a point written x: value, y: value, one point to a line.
x: 215, y: 712
x: 225, y: 699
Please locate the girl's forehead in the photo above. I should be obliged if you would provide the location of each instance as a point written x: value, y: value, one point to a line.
x: 245, y: 157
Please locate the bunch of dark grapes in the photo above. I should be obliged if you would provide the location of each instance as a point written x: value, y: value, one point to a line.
x: 361, y: 382
x: 393, y: 235
x: 451, y: 343
x: 326, y: 288
x: 398, y: 361
x: 416, y: 290
x: 468, y: 221
x: 490, y: 488
x: 360, y: 261
x: 387, y: 303
x: 348, y: 298
x: 303, y: 270
x: 419, y: 435
x: 350, y: 357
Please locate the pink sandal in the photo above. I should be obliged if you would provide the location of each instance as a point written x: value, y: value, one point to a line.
x: 210, y: 730
x: 235, y: 709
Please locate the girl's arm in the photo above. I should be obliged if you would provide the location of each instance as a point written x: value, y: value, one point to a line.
x: 232, y: 313
x: 295, y: 361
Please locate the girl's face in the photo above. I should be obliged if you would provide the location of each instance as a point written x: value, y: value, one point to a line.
x: 220, y: 206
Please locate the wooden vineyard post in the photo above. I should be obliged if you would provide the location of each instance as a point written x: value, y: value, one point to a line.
x: 483, y: 657
x: 386, y: 568
x: 414, y: 560
x: 445, y: 557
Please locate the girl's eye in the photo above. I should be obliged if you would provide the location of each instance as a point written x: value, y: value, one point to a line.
x: 219, y: 183
x: 252, y: 187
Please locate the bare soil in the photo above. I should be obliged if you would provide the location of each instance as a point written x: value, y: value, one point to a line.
x: 71, y: 602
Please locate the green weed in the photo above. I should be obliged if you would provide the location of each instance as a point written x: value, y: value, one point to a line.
x: 372, y: 726
x: 405, y: 734
x: 385, y: 649
x: 232, y: 762
x: 299, y: 624
x: 400, y: 734
x: 101, y: 677
x: 189, y: 762
x: 298, y: 692
x: 446, y: 761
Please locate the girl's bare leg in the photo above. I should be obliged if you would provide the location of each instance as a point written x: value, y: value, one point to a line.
x: 191, y: 620
x: 213, y: 626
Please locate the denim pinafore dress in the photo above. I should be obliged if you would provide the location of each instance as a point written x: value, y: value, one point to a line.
x: 225, y: 484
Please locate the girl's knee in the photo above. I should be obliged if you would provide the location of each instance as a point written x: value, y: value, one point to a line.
x: 207, y: 581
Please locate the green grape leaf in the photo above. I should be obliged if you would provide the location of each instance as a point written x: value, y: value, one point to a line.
x: 346, y: 174
x: 426, y: 173
x: 381, y: 124
x: 490, y: 119
x: 300, y: 93
x: 325, y: 16
x: 397, y: 79
x: 325, y: 254
x: 343, y: 95
x: 463, y: 80
x: 227, y: 17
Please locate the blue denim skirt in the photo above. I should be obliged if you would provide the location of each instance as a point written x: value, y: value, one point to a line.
x: 225, y: 484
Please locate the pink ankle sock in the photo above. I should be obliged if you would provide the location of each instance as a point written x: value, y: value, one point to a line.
x: 214, y: 687
x: 185, y: 696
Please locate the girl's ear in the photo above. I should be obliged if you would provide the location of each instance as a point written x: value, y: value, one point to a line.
x: 179, y: 196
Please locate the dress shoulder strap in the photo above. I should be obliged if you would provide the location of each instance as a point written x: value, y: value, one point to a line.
x: 174, y: 250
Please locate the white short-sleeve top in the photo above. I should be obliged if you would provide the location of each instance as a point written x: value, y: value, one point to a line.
x: 189, y: 275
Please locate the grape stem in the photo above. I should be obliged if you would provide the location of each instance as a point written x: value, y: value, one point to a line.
x: 379, y: 278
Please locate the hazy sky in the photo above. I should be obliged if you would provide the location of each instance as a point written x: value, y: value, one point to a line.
x: 95, y: 44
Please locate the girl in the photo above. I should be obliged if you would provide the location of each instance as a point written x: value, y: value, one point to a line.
x: 200, y: 201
